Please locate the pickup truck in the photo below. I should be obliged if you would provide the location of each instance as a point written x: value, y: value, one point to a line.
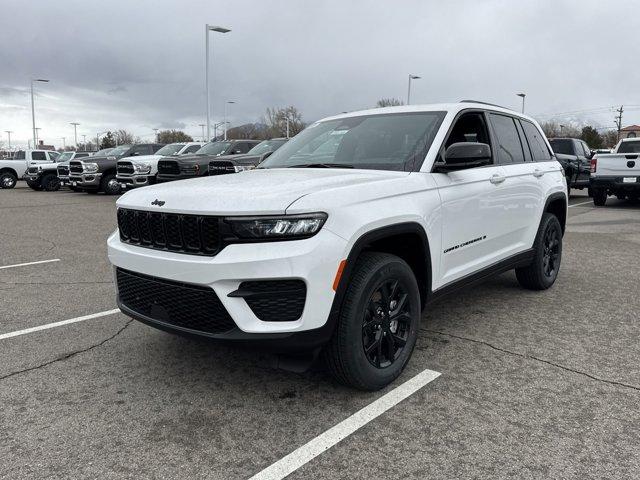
x: 237, y: 163
x: 44, y: 176
x: 133, y: 172
x: 197, y: 165
x: 617, y: 173
x: 13, y: 170
x: 98, y: 173
x: 63, y: 169
x: 575, y: 157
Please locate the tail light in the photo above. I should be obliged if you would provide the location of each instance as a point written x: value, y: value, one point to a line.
x: 594, y: 165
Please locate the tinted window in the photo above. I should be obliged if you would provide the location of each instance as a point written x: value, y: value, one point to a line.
x: 82, y: 154
x: 19, y: 155
x: 629, y: 147
x: 537, y: 144
x: 192, y: 149
x: 562, y: 145
x: 140, y: 150
x: 509, y: 146
x: 38, y: 156
x: 525, y: 144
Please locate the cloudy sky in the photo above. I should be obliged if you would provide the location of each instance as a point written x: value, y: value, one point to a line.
x: 139, y: 64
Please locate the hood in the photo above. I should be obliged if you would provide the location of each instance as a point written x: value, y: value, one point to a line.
x: 254, y: 192
x: 142, y: 158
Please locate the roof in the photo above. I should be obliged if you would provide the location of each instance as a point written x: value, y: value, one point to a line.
x: 630, y: 128
x: 453, y: 108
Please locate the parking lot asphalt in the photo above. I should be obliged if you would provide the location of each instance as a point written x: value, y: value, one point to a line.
x: 532, y: 385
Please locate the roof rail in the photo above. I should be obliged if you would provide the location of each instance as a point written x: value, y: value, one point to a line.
x: 483, y: 103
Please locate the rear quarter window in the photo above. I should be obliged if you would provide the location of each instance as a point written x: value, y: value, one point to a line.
x: 538, y: 146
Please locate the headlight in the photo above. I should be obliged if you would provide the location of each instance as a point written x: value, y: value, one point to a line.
x: 90, y: 167
x: 141, y: 168
x: 280, y: 227
x: 242, y: 168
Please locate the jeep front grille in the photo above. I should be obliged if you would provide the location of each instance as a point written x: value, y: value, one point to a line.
x: 125, y: 168
x: 194, y: 234
x: 191, y: 307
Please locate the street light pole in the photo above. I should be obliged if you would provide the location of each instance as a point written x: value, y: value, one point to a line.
x: 84, y: 142
x: 9, y: 132
x: 225, y: 116
x: 33, y: 108
x: 156, y: 130
x: 208, y: 28
x: 35, y: 145
x: 411, y: 77
x: 522, y: 95
x: 64, y: 145
x: 202, y: 125
x: 75, y: 133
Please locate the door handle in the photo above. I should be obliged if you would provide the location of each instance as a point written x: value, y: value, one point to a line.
x: 538, y: 173
x: 495, y: 178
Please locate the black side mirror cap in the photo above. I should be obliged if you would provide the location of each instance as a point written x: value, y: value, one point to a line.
x: 465, y: 155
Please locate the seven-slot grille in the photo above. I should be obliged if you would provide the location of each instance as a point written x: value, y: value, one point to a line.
x: 194, y: 234
x: 192, y: 307
x: 63, y: 170
x: 169, y: 167
x: 75, y: 167
x: 125, y: 167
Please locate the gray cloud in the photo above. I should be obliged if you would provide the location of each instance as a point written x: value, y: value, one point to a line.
x: 140, y: 65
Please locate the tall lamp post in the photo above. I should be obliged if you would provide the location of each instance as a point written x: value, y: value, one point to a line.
x: 35, y: 145
x: 33, y: 109
x: 228, y: 102
x: 84, y: 142
x: 9, y: 132
x: 64, y: 144
x: 411, y: 77
x: 522, y: 95
x: 207, y: 29
x: 75, y: 133
x: 156, y: 131
x: 202, y: 125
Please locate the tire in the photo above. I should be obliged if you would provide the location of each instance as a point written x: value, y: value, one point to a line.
x: 110, y: 185
x: 8, y: 180
x: 599, y: 197
x: 363, y: 323
x: 51, y: 183
x: 34, y: 185
x: 590, y: 192
x: 621, y: 197
x: 543, y: 270
x: 74, y: 189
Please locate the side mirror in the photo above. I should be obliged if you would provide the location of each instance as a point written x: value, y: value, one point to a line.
x: 135, y: 154
x: 465, y: 155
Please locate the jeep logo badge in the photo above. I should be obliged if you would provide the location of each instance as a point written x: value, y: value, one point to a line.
x: 157, y: 202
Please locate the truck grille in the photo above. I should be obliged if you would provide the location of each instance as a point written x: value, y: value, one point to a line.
x: 168, y: 167
x: 182, y: 305
x: 219, y: 167
x: 194, y: 234
x: 274, y: 300
x: 63, y: 170
x: 75, y: 167
x: 125, y: 168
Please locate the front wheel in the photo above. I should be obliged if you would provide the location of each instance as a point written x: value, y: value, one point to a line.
x: 51, y: 183
x: 8, y: 180
x: 543, y: 270
x: 377, y: 325
x: 110, y: 185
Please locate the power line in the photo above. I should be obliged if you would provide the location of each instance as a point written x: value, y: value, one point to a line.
x: 618, y: 120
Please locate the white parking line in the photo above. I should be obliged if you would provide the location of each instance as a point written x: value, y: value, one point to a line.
x: 17, y: 333
x: 576, y: 204
x: 30, y: 263
x: 328, y: 439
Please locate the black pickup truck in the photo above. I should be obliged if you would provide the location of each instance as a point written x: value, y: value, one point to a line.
x: 575, y: 157
x: 237, y: 163
x: 98, y: 173
x: 197, y: 165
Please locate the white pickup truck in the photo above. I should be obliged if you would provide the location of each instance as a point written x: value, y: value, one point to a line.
x: 12, y: 170
x: 617, y: 173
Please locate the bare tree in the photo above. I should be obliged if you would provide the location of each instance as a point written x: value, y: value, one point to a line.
x: 276, y: 121
x: 553, y: 129
x: 609, y: 138
x: 123, y: 136
x: 389, y: 102
x: 173, y: 136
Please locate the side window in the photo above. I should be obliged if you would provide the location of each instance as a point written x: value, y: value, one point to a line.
x: 525, y: 145
x: 192, y: 149
x: 38, y: 156
x: 537, y: 144
x: 469, y: 127
x: 140, y: 150
x: 587, y: 150
x: 509, y: 146
x: 151, y: 149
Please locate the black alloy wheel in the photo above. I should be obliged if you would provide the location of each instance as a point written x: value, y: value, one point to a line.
x: 551, y: 253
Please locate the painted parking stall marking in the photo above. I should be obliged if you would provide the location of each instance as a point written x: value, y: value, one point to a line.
x: 26, y: 331
x: 30, y: 263
x: 578, y: 204
x: 342, y: 430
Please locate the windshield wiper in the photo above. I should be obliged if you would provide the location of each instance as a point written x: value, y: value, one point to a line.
x: 321, y: 165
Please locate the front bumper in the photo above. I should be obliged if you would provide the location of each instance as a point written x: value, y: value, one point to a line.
x: 134, y: 181
x: 85, y: 180
x: 314, y: 261
x: 616, y: 183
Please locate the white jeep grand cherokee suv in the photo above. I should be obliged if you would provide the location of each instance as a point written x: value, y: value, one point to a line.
x: 336, y: 242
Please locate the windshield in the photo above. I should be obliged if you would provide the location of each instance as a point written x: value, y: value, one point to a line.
x: 563, y: 146
x: 170, y: 149
x: 266, y: 147
x: 119, y: 151
x: 104, y: 151
x: 397, y: 141
x: 214, y: 148
x: 629, y: 147
x: 65, y: 156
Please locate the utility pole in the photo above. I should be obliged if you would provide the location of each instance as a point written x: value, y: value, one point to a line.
x: 9, y: 132
x: 75, y: 133
x: 84, y: 142
x: 618, y: 120
x: 64, y: 145
x: 202, y: 125
x: 156, y: 130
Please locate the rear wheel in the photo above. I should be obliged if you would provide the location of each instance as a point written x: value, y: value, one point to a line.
x: 378, y: 323
x: 51, y: 183
x: 599, y: 197
x: 34, y: 185
x: 543, y: 270
x: 110, y: 184
x: 8, y: 180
